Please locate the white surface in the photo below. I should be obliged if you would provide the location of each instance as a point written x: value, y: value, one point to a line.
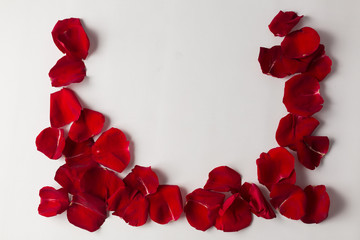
x: 181, y: 78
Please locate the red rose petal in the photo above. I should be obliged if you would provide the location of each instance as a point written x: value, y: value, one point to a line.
x: 143, y: 179
x: 89, y: 124
x: 274, y: 166
x: 64, y: 108
x: 87, y: 212
x: 51, y: 142
x: 166, y: 204
x: 202, y: 208
x: 120, y: 200
x: 223, y: 179
x: 234, y: 215
x: 112, y: 150
x: 256, y: 200
x: 53, y: 201
x: 136, y: 212
x: 293, y: 128
x: 69, y: 36
x: 300, y: 43
x: 301, y: 95
x: 289, y: 199
x: 291, y: 179
x: 66, y: 71
x: 318, y: 204
x: 320, y: 67
x: 75, y: 152
x: 283, y: 22
x: 311, y: 149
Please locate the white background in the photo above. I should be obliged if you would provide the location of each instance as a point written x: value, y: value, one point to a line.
x: 181, y: 78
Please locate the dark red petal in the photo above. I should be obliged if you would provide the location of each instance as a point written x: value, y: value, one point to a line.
x: 202, y: 208
x: 223, y: 179
x: 256, y: 200
x: 112, y: 150
x: 311, y: 149
x: 74, y: 151
x: 100, y: 182
x: 289, y: 199
x: 51, y: 142
x: 64, y: 108
x: 89, y: 124
x: 283, y: 22
x: 293, y: 128
x: 300, y: 43
x: 136, y: 212
x: 143, y: 179
x: 121, y: 199
x: 66, y: 71
x: 320, y: 67
x: 70, y: 37
x: 234, y: 215
x: 274, y: 166
x: 290, y: 179
x: 166, y: 204
x: 317, y: 205
x: 87, y: 212
x: 302, y: 96
x: 53, y: 201
x: 70, y: 174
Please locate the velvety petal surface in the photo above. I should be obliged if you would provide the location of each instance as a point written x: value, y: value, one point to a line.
x: 317, y: 204
x: 320, y: 67
x: 53, y: 201
x: 51, y: 142
x: 311, y: 149
x: 283, y: 22
x: 67, y: 71
x: 78, y: 152
x: 223, y: 179
x: 143, y: 179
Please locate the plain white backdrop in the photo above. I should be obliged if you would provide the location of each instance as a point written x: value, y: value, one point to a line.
x: 181, y: 78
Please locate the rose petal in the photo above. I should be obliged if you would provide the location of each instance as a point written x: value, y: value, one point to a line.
x: 311, y: 149
x: 289, y: 199
x: 202, y: 207
x: 166, y: 204
x: 64, y: 108
x: 51, y: 142
x: 67, y: 71
x: 283, y: 22
x: 143, y: 179
x: 223, y: 179
x: 121, y: 199
x: 74, y: 151
x: 136, y: 212
x: 300, y: 43
x: 301, y: 95
x: 318, y: 204
x: 53, y: 201
x: 87, y: 212
x: 320, y: 67
x: 69, y: 36
x: 274, y: 166
x: 112, y: 150
x: 292, y: 128
x: 234, y: 215
x: 256, y: 200
x: 89, y: 124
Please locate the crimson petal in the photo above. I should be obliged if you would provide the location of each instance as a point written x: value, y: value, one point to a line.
x: 70, y: 37
x: 78, y: 152
x: 223, y: 179
x: 112, y: 150
x: 53, y: 201
x: 202, y: 208
x: 283, y: 22
x: 275, y: 166
x: 51, y: 142
x: 257, y: 202
x: 143, y: 179
x: 320, y: 67
x: 64, y: 108
x: 300, y: 43
x: 120, y: 200
x: 318, y: 204
x: 301, y: 95
x: 293, y: 128
x: 66, y: 71
x: 311, y: 149
x: 87, y: 212
x: 289, y: 199
x: 89, y: 124
x: 234, y: 215
x: 166, y: 204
